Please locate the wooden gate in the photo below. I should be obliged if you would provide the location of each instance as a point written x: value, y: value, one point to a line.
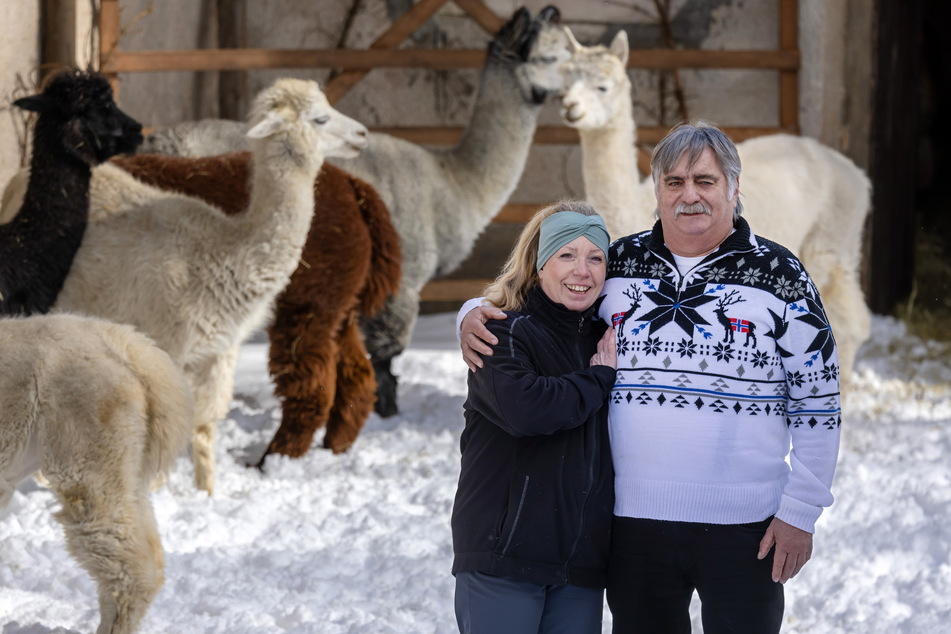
x: 383, y: 53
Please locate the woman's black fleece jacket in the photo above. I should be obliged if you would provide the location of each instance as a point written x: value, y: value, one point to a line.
x: 536, y: 487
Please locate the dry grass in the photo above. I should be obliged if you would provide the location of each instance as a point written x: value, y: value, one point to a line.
x: 927, y: 311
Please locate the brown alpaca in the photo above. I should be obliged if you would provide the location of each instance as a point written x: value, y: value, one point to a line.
x: 350, y: 264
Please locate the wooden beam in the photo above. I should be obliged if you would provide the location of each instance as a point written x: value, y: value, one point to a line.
x: 109, y: 39
x: 672, y: 59
x: 517, y: 213
x: 249, y: 58
x: 544, y: 135
x: 452, y: 290
x: 789, y: 77
x: 402, y: 28
x: 443, y: 59
x: 483, y: 15
x: 558, y: 135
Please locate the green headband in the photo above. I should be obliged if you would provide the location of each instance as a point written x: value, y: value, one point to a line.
x: 562, y: 227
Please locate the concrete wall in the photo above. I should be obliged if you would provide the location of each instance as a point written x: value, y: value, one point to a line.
x: 19, y: 59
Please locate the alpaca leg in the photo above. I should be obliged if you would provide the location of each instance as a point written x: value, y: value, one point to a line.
x: 305, y: 380
x: 213, y: 393
x: 386, y: 388
x: 111, y: 532
x: 386, y: 335
x: 841, y: 292
x: 355, y: 391
x: 849, y: 317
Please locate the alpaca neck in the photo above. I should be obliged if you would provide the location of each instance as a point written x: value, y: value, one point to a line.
x: 491, y: 155
x: 58, y: 190
x: 38, y: 245
x: 611, y: 181
x: 282, y: 190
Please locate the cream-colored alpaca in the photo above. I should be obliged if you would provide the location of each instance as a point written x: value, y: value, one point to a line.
x: 198, y: 281
x: 795, y: 191
x: 104, y: 413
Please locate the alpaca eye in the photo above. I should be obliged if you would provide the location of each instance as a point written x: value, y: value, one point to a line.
x: 321, y: 120
x: 602, y: 88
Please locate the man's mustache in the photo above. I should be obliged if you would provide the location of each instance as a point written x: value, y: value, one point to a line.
x: 692, y: 208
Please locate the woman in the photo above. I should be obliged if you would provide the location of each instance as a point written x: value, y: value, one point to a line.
x: 532, y: 514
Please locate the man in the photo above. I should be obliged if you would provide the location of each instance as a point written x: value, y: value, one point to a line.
x: 725, y: 359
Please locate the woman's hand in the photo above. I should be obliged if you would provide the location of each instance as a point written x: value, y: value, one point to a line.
x: 607, y: 350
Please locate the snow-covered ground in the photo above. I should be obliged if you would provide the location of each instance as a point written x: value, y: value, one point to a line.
x: 360, y: 544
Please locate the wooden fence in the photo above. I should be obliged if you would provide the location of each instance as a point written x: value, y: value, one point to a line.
x: 383, y: 53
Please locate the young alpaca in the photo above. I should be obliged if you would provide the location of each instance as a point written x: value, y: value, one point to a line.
x: 795, y: 191
x: 104, y: 413
x: 79, y: 125
x: 440, y: 200
x: 351, y: 264
x: 199, y: 281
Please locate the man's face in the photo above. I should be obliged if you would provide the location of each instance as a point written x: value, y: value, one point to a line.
x: 695, y: 209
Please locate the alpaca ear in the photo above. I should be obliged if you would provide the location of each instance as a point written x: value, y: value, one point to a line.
x: 35, y: 103
x: 619, y: 47
x: 573, y: 44
x: 550, y: 14
x: 268, y: 125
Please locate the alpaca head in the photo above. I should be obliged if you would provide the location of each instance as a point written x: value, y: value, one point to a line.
x: 529, y: 46
x: 298, y: 111
x: 76, y: 110
x: 596, y: 85
x: 551, y: 48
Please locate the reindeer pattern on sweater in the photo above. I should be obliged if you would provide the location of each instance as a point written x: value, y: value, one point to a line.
x: 719, y: 369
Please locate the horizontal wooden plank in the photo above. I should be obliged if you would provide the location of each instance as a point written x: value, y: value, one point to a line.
x: 443, y: 59
x: 665, y: 59
x: 545, y: 135
x: 518, y: 213
x: 249, y: 59
x: 559, y: 135
x: 452, y: 290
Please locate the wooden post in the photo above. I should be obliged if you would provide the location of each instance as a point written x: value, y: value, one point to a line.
x: 232, y: 85
x: 789, y: 78
x: 109, y: 38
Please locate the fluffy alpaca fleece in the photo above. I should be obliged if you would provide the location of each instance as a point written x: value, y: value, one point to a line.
x: 79, y: 125
x: 440, y: 200
x: 104, y: 413
x: 318, y: 360
x: 349, y: 266
x: 795, y: 191
x: 199, y: 281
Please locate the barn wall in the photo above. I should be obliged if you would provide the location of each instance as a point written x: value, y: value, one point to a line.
x: 834, y: 40
x: 19, y: 59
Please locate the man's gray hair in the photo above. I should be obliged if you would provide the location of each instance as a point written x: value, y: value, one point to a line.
x: 691, y: 140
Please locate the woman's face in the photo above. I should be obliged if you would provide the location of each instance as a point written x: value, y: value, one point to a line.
x: 574, y: 275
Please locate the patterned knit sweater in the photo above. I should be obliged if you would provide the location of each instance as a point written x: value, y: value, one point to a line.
x: 719, y: 371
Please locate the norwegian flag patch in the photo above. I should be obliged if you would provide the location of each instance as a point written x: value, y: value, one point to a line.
x: 616, y: 319
x: 739, y: 325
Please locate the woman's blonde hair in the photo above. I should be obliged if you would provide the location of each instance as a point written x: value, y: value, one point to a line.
x: 518, y: 275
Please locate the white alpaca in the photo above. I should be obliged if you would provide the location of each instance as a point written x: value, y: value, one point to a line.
x: 104, y: 413
x: 795, y: 191
x: 198, y: 281
x: 440, y: 200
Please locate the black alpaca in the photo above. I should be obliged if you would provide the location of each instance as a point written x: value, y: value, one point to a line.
x: 79, y: 126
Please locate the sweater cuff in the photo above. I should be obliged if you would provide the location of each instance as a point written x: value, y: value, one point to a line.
x: 475, y: 302
x: 799, y: 514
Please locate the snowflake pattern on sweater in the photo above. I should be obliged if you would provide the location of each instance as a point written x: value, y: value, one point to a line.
x: 739, y: 337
